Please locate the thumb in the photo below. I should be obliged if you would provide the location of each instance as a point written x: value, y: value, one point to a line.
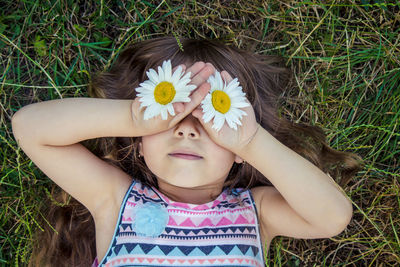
x: 195, y: 100
x: 198, y: 114
x: 178, y: 106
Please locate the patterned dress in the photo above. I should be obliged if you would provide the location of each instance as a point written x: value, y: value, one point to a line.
x: 223, y: 232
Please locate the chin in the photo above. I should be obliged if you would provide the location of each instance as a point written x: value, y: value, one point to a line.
x: 184, y: 182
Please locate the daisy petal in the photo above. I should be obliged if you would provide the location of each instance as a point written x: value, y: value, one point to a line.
x: 181, y: 99
x: 171, y: 110
x: 146, y: 101
x: 230, y: 122
x: 139, y: 90
x: 186, y: 76
x: 190, y: 87
x: 232, y: 86
x: 181, y: 83
x: 219, y: 80
x: 167, y: 70
x: 240, y: 105
x: 210, y: 108
x: 218, y: 121
x: 151, y: 111
x: 164, y: 114
x: 153, y: 76
x: 208, y: 116
x: 177, y: 74
x: 236, y: 112
x: 235, y: 118
x: 236, y: 95
x: 211, y: 80
x: 161, y: 76
x: 147, y: 85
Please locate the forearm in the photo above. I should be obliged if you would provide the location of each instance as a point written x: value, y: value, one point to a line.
x: 307, y: 189
x: 71, y: 120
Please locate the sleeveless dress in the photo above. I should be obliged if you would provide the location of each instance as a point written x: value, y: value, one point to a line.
x: 223, y: 232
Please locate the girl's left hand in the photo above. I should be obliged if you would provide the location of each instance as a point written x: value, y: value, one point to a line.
x: 228, y: 138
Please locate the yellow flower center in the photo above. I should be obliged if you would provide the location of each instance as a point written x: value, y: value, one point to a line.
x: 220, y: 101
x: 164, y: 93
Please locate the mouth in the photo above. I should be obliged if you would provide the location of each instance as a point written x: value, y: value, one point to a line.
x: 185, y: 156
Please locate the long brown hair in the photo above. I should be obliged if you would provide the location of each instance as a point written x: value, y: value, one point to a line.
x: 265, y: 81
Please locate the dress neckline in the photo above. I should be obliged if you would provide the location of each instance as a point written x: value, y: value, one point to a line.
x: 209, y: 205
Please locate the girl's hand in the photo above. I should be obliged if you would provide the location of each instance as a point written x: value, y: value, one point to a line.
x: 233, y: 140
x: 199, y: 75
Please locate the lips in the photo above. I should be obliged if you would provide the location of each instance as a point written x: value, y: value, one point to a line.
x: 185, y: 154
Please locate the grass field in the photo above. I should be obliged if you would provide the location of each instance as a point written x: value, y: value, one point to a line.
x: 345, y: 56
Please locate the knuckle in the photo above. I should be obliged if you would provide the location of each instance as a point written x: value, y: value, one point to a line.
x: 210, y: 66
x: 200, y: 63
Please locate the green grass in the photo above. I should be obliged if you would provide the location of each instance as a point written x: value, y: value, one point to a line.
x: 346, y: 60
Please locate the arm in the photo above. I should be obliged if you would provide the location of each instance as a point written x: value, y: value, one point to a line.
x: 313, y: 195
x: 304, y: 202
x: 48, y: 132
x: 71, y: 120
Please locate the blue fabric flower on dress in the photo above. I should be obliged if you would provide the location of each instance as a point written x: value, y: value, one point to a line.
x: 150, y: 219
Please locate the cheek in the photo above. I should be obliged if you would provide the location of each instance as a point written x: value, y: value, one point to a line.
x: 223, y: 159
x: 150, y: 144
x: 147, y: 147
x: 150, y: 147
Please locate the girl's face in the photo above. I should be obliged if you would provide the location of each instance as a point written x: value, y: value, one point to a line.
x: 188, y: 136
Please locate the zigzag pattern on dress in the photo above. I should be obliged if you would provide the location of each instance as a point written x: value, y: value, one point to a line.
x: 167, y: 250
x: 200, y: 219
x: 141, y: 193
x: 179, y: 232
x: 186, y: 262
x: 223, y: 232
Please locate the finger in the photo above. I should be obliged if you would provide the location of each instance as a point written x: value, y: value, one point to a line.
x: 183, y: 66
x: 203, y: 75
x: 197, y: 112
x: 196, y: 97
x: 195, y: 68
x: 226, y: 76
x: 195, y: 100
x: 178, y: 107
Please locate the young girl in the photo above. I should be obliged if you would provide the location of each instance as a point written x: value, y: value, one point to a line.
x: 175, y: 191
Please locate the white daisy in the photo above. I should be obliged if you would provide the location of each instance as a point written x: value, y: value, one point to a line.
x: 162, y: 89
x: 223, y: 102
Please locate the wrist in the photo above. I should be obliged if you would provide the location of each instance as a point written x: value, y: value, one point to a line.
x: 243, y: 147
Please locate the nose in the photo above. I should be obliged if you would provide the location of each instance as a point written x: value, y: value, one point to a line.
x: 188, y: 128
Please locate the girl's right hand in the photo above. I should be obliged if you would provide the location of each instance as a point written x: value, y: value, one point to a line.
x: 199, y: 76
